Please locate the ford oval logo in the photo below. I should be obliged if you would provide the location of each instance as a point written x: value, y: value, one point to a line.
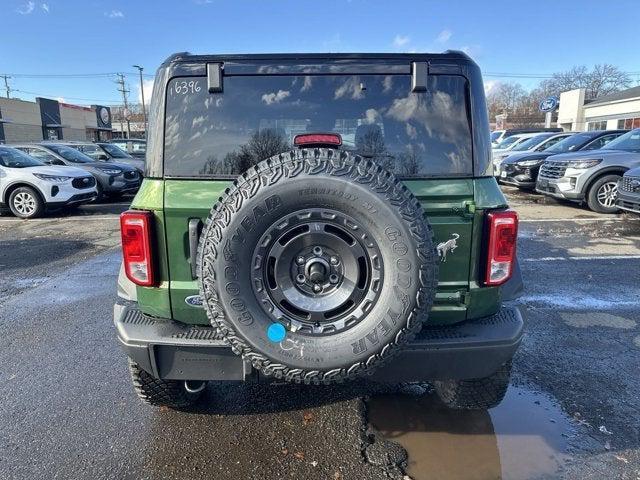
x: 549, y: 104
x: 194, y: 301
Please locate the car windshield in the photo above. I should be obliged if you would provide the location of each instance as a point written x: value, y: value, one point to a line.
x: 256, y: 117
x: 629, y: 142
x: 495, y: 135
x: 570, y: 144
x: 70, y: 154
x: 508, y: 142
x: 114, y: 150
x: 529, y: 143
x: 14, y: 158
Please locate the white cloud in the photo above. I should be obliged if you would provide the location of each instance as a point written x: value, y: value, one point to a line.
x: 308, y: 83
x: 148, y: 89
x: 45, y: 7
x: 27, y: 8
x: 489, y: 86
x: 114, y: 14
x: 371, y: 116
x: 472, y: 50
x: 351, y: 88
x: 400, y: 41
x: 444, y: 36
x: 270, y: 98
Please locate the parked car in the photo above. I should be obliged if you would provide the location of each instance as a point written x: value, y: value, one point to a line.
x: 113, y: 179
x: 316, y: 266
x: 591, y: 176
x: 510, y: 143
x: 535, y: 143
x: 498, y: 136
x: 629, y: 191
x: 107, y: 152
x: 521, y: 170
x: 133, y: 146
x: 28, y: 187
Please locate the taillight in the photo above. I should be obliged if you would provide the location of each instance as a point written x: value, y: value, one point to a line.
x: 502, y: 228
x: 135, y: 228
x: 317, y: 140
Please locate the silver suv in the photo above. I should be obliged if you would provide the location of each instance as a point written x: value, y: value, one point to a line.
x: 591, y: 176
x: 629, y: 191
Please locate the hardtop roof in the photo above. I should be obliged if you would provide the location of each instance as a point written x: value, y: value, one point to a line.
x: 450, y: 55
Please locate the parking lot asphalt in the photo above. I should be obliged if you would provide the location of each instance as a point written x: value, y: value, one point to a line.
x: 67, y: 409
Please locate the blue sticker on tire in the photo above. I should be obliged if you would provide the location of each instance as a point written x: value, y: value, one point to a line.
x: 276, y: 332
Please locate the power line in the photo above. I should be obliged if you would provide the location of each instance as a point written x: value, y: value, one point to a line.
x: 72, y: 75
x: 66, y: 97
x: 115, y: 74
x: 6, y: 85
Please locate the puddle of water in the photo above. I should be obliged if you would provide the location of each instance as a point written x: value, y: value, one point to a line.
x: 521, y: 438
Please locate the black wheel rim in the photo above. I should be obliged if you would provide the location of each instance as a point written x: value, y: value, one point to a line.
x: 317, y: 272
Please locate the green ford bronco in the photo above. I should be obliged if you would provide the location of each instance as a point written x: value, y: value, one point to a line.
x: 317, y: 218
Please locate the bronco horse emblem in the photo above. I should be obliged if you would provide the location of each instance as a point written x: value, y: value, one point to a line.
x: 448, y: 246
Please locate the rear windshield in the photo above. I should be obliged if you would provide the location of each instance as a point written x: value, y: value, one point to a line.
x: 412, y: 134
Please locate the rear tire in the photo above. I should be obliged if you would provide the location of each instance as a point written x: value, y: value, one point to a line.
x: 25, y: 202
x: 477, y: 393
x: 167, y: 393
x: 602, y: 194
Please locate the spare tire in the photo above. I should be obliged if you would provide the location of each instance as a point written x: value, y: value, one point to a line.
x: 317, y: 266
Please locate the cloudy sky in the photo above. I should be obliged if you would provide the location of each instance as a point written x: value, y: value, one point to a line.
x: 43, y: 43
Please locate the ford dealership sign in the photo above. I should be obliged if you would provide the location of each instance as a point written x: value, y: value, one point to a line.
x: 549, y: 104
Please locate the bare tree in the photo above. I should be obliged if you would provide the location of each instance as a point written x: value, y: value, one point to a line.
x: 601, y: 80
x: 520, y: 106
x: 262, y: 144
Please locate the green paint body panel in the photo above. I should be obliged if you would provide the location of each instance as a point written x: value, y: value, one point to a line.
x: 453, y: 206
x: 155, y: 301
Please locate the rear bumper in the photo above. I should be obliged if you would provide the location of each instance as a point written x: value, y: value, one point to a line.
x: 174, y: 351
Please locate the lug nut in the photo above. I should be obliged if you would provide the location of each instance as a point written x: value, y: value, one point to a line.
x: 334, y: 261
x: 300, y: 260
x: 300, y: 278
x: 317, y: 288
x: 333, y: 278
x: 317, y: 251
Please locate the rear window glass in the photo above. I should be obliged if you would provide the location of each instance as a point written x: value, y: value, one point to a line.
x: 411, y: 134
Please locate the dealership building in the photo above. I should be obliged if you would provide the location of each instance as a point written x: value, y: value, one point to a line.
x: 617, y: 110
x: 46, y: 119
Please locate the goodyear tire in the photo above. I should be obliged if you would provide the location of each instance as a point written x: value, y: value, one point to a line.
x: 163, y: 393
x: 317, y: 266
x: 476, y: 393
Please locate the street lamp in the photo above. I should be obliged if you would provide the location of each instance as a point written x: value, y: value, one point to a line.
x: 144, y: 111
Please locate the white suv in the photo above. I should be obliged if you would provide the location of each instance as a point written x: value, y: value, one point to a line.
x: 28, y: 187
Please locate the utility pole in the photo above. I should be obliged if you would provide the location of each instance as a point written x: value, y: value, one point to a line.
x: 6, y: 85
x: 144, y: 110
x: 125, y: 101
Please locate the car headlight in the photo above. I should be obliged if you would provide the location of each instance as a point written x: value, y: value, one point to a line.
x: 529, y: 163
x: 110, y: 171
x: 52, y: 178
x: 584, y: 163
